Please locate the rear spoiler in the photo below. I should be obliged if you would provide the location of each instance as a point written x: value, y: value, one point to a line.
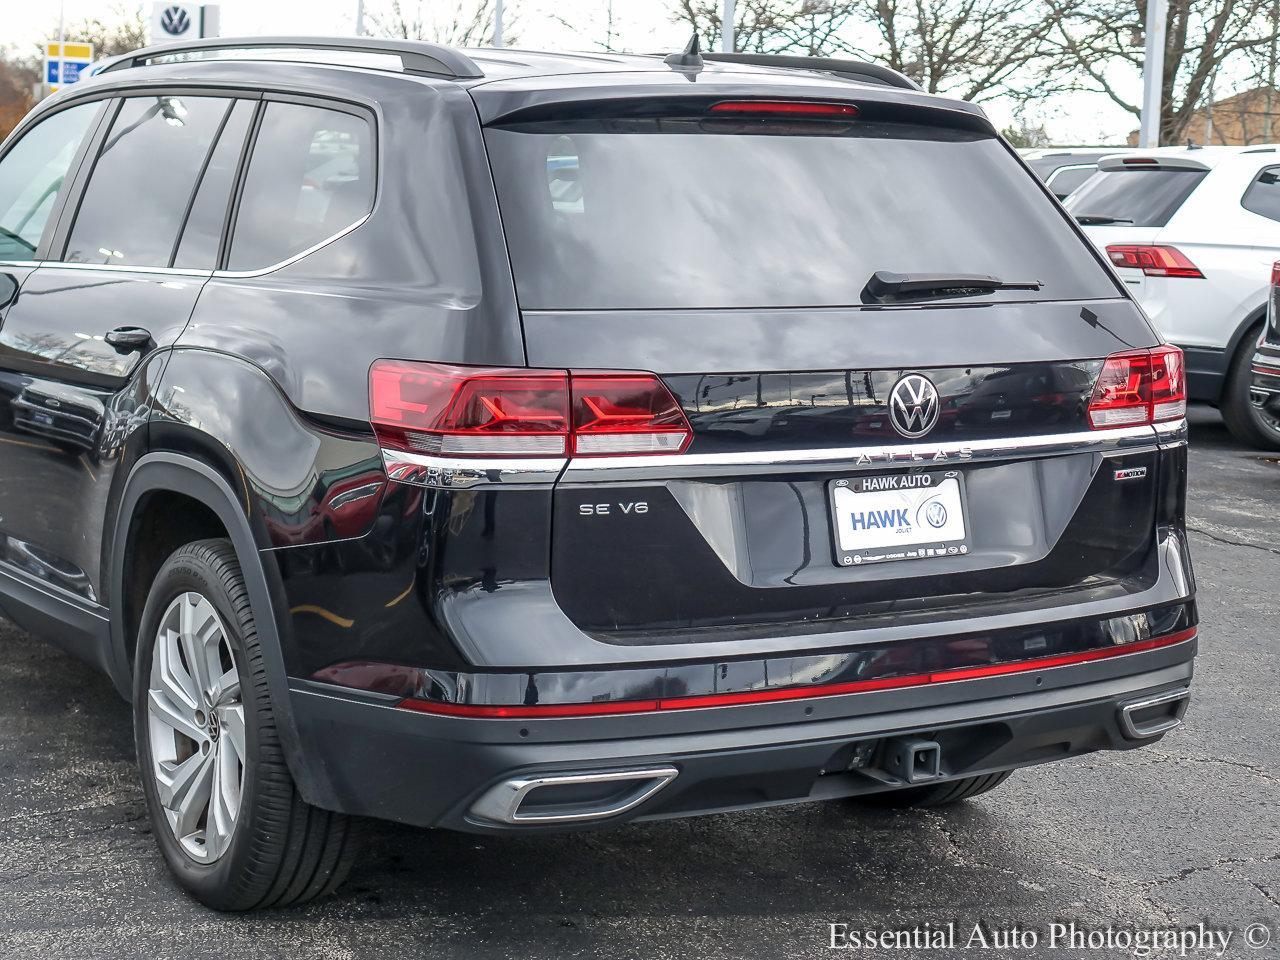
x: 1129, y: 161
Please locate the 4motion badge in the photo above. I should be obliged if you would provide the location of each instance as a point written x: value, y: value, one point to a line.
x: 1131, y: 473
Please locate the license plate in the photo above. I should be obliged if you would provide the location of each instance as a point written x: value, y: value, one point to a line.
x: 899, y: 516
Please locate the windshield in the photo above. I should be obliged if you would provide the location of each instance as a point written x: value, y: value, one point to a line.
x: 651, y: 214
x: 1143, y: 198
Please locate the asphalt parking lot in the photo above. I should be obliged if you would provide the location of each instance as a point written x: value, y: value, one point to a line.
x: 1187, y: 831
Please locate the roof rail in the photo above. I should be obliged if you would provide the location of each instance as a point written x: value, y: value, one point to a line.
x: 416, y: 56
x: 853, y: 69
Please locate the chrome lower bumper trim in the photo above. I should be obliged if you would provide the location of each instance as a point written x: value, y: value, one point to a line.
x: 454, y: 473
x: 462, y: 473
x: 501, y: 803
x: 1174, y: 703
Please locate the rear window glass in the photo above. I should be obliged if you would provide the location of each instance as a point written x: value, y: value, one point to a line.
x: 678, y: 214
x: 1069, y: 179
x: 1143, y: 198
x: 1263, y: 195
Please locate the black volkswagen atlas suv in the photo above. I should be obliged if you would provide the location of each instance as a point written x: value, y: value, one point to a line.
x: 504, y: 441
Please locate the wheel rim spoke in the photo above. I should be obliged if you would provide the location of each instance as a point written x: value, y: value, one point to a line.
x: 190, y: 808
x: 224, y: 802
x: 226, y: 689
x: 233, y: 730
x: 177, y: 780
x: 177, y: 716
x: 201, y: 636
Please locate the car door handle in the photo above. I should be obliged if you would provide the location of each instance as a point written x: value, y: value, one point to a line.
x: 125, y: 339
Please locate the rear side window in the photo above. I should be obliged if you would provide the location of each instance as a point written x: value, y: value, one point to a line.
x: 1263, y: 195
x: 1068, y: 180
x: 1137, y: 196
x: 687, y: 213
x: 202, y: 234
x: 143, y: 180
x: 31, y: 175
x: 310, y: 177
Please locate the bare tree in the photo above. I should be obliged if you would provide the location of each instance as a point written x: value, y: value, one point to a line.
x: 123, y: 30
x: 974, y: 49
x: 459, y: 23
x: 1097, y: 46
x: 17, y: 79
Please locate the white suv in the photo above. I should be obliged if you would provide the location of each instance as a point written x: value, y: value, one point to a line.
x: 1193, y: 232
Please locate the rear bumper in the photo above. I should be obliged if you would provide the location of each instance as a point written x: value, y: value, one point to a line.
x: 1206, y: 373
x: 426, y: 770
x: 1265, y: 385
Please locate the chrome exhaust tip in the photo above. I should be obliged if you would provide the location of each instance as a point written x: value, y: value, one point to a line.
x: 570, y: 797
x: 1152, y: 716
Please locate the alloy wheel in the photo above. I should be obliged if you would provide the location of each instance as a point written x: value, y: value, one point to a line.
x: 196, y: 727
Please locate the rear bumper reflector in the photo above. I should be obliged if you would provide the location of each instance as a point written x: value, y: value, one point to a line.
x: 611, y: 708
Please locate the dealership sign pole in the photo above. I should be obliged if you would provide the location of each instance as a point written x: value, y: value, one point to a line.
x: 1153, y: 73
x: 727, y: 31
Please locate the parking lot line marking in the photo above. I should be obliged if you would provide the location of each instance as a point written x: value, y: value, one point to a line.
x: 27, y: 443
x: 322, y: 612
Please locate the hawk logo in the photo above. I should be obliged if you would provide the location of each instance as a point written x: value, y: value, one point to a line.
x: 914, y: 406
x: 174, y: 21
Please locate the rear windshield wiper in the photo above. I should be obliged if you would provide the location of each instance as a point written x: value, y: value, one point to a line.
x: 884, y: 285
x: 1099, y: 219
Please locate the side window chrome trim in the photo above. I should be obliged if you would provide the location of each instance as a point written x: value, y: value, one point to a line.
x: 125, y: 268
x: 297, y: 256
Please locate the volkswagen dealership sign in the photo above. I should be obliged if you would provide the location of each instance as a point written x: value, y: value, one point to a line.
x: 183, y: 21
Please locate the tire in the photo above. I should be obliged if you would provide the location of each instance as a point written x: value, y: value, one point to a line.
x: 937, y: 794
x: 258, y: 844
x: 1247, y: 422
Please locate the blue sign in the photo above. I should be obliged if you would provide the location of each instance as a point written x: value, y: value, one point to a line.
x: 74, y: 57
x: 70, y: 71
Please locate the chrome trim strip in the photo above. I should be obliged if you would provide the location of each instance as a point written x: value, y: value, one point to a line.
x: 125, y: 268
x: 1127, y: 439
x: 1267, y: 360
x: 501, y: 802
x: 263, y: 271
x: 1161, y: 726
x: 455, y: 473
x: 449, y: 473
x: 1172, y: 433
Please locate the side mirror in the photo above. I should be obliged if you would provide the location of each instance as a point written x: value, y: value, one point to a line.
x: 8, y: 290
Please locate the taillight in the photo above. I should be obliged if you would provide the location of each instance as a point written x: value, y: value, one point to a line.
x: 462, y: 411
x: 1146, y: 386
x: 1168, y: 384
x: 1155, y: 260
x: 1273, y: 305
x: 794, y: 108
x: 621, y: 413
x: 469, y: 411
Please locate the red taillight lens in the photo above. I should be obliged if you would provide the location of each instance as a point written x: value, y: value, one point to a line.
x: 1155, y: 260
x: 802, y: 108
x: 626, y: 413
x: 1168, y: 384
x: 469, y: 411
x: 1146, y: 386
x: 484, y: 411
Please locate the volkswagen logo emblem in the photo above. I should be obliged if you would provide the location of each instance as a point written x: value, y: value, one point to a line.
x: 174, y: 21
x: 936, y: 514
x: 914, y: 406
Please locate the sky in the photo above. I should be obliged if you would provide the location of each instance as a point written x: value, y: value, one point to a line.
x: 639, y: 25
